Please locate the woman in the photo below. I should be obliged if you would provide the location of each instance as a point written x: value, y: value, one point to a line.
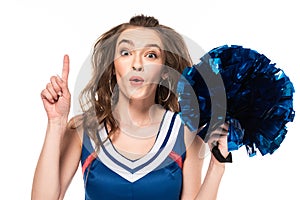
x: 130, y: 140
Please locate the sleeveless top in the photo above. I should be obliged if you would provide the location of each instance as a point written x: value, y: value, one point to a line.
x: 157, y: 175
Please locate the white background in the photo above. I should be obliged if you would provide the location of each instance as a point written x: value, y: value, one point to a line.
x: 35, y: 35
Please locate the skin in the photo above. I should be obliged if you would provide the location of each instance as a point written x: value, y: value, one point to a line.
x: 138, y: 54
x: 61, y: 150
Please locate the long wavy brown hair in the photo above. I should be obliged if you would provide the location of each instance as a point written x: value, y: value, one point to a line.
x: 97, y: 99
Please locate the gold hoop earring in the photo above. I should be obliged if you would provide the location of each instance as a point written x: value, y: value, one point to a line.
x: 110, y: 88
x: 169, y: 91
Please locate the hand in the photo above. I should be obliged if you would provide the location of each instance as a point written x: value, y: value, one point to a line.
x: 56, y: 96
x: 219, y: 138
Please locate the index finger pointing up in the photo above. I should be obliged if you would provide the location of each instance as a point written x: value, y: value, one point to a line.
x: 66, y: 68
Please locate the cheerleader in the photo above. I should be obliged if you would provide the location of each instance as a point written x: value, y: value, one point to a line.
x: 129, y: 140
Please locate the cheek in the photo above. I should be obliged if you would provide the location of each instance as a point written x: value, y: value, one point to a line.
x: 157, y: 76
x: 154, y: 71
x: 121, y: 69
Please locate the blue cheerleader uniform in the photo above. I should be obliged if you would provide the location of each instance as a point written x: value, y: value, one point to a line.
x: 108, y: 175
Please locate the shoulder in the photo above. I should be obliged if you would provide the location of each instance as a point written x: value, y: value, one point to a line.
x: 75, y: 129
x: 194, y: 144
x: 192, y: 141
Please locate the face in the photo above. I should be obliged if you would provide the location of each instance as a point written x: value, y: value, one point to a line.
x: 138, y: 63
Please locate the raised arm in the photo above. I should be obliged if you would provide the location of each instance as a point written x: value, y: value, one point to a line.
x: 61, y: 150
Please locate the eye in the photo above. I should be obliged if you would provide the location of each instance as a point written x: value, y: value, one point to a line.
x: 151, y: 55
x: 124, y: 53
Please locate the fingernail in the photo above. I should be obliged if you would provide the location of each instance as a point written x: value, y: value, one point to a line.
x: 59, y: 93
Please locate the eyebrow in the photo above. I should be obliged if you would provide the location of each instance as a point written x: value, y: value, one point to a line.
x: 126, y: 41
x: 132, y: 44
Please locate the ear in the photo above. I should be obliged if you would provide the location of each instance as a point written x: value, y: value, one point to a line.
x: 164, y: 75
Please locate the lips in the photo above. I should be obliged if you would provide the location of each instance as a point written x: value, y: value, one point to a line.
x: 136, y: 80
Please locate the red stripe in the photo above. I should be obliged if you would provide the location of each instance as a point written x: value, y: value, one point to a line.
x: 88, y: 161
x: 177, y: 158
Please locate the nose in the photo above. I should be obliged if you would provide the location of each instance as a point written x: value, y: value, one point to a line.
x: 137, y: 64
x: 139, y: 69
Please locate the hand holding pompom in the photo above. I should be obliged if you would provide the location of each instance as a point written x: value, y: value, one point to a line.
x: 258, y: 98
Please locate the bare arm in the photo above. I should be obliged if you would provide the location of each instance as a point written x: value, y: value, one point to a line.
x: 69, y: 157
x: 192, y: 186
x: 209, y: 188
x: 56, y: 165
x: 215, y: 171
x: 192, y: 167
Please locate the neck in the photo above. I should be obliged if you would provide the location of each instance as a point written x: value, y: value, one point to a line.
x: 137, y: 112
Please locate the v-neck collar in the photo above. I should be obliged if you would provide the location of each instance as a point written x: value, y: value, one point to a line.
x: 132, y: 170
x: 150, y: 151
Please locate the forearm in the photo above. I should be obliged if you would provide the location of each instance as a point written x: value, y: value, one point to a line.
x: 210, y: 186
x: 46, y: 182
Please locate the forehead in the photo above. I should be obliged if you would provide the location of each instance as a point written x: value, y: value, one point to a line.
x: 140, y: 37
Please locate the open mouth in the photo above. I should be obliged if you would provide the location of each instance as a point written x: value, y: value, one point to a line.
x: 136, y: 80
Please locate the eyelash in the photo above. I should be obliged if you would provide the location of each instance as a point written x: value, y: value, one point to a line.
x: 122, y: 53
x: 152, y: 53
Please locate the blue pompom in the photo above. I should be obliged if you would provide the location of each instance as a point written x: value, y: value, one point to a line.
x: 257, y: 103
